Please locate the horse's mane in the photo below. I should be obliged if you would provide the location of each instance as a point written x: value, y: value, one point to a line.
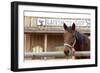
x: 79, y: 37
x: 82, y: 42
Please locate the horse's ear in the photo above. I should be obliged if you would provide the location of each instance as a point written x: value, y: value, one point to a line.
x: 65, y: 26
x: 73, y: 26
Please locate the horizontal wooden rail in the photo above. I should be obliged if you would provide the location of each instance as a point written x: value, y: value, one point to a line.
x: 55, y: 54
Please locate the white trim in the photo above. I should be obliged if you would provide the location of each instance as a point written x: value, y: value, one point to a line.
x: 48, y: 63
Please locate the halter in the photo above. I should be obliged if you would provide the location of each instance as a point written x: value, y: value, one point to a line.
x: 70, y: 50
x: 71, y: 46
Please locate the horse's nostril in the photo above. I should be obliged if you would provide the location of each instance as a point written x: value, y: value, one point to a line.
x: 66, y: 52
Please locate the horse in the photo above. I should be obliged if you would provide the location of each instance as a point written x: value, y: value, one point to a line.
x: 75, y: 41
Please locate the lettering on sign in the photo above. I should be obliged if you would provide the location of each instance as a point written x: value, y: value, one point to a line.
x: 59, y: 21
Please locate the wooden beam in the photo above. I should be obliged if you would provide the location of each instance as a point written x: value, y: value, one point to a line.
x: 55, y: 54
x: 45, y: 44
x: 36, y: 30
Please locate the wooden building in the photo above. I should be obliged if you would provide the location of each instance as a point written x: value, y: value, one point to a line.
x: 43, y: 34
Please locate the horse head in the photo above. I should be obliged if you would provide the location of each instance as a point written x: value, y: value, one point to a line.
x: 69, y: 38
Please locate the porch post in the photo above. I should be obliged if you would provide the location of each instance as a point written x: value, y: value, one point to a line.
x: 45, y: 44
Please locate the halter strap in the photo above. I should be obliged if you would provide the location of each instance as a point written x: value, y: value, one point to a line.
x: 71, y: 46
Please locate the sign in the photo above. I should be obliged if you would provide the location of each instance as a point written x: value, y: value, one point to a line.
x: 60, y: 21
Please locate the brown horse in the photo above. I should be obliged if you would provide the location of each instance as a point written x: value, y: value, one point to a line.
x: 75, y: 40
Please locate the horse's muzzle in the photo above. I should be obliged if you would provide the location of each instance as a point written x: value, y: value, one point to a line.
x: 69, y: 51
x: 66, y: 51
